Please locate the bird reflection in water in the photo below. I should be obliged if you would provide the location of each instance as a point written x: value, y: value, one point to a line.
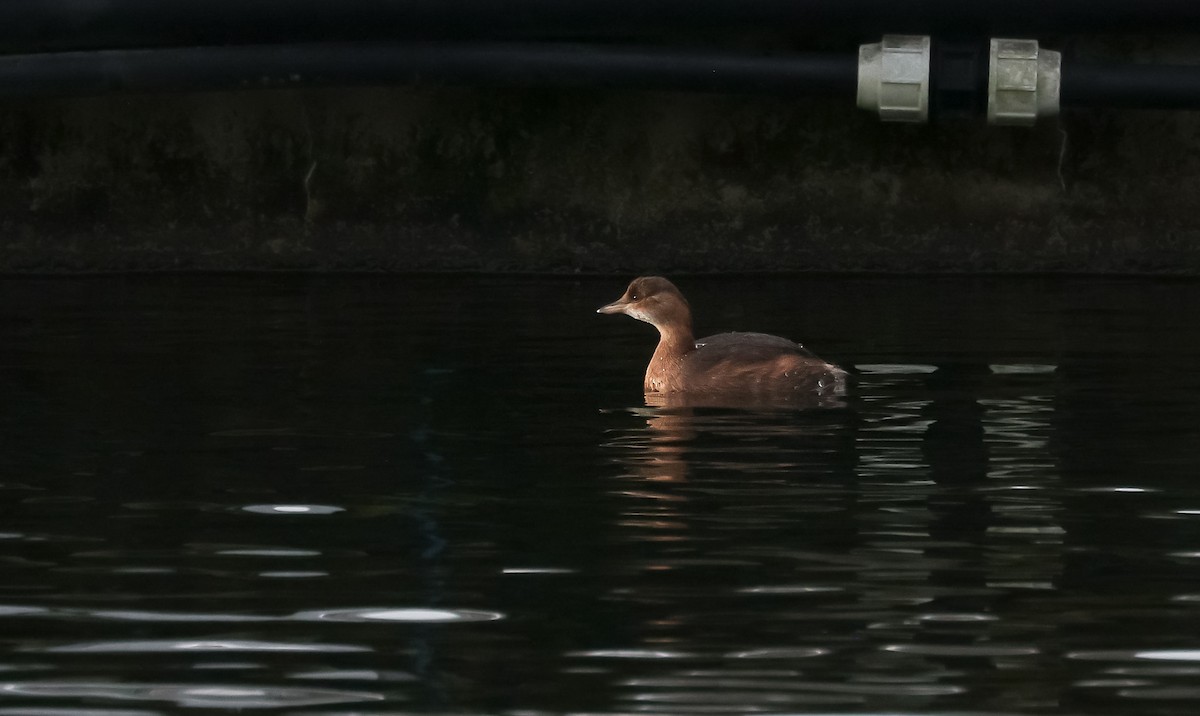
x: 716, y: 443
x: 710, y: 496
x: 731, y: 430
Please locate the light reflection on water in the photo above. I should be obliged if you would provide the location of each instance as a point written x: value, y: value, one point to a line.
x: 447, y: 496
x: 210, y: 696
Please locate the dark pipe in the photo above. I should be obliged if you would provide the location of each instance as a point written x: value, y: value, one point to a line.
x: 41, y: 25
x: 257, y: 67
x: 1142, y: 86
x: 532, y: 64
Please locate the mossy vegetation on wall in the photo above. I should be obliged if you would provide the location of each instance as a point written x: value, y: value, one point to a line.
x: 458, y: 178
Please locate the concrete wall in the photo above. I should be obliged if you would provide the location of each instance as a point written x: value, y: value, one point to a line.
x: 533, y: 180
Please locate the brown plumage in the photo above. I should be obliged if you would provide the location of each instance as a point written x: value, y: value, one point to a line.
x: 752, y: 364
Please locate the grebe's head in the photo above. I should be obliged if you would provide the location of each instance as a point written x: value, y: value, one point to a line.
x: 652, y: 299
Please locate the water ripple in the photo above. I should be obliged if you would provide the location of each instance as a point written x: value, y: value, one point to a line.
x: 1163, y: 693
x: 1022, y: 368
x: 1131, y: 655
x: 895, y: 368
x: 794, y: 652
x: 354, y: 675
x: 22, y: 711
x: 537, y: 570
x: 1170, y: 654
x: 280, y: 552
x: 388, y: 614
x: 1154, y: 670
x: 632, y: 654
x: 789, y: 589
x: 423, y: 615
x: 966, y: 650
x: 763, y: 686
x: 131, y: 615
x: 189, y: 695
x: 739, y: 701
x: 196, y: 645
x: 294, y: 509
x: 18, y: 610
x: 957, y: 618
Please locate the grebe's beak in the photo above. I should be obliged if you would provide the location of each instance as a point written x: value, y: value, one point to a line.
x: 617, y: 306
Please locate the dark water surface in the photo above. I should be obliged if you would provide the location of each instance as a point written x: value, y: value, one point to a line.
x: 446, y: 496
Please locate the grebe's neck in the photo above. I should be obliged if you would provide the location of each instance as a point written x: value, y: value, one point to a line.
x: 675, y: 330
x: 675, y: 342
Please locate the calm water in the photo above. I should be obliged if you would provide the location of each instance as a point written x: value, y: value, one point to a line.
x: 446, y: 496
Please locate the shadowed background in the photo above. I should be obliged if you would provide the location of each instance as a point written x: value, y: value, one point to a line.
x: 586, y: 179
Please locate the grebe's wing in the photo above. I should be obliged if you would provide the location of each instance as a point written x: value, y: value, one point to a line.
x: 749, y: 346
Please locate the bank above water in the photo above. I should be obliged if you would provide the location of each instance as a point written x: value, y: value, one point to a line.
x: 584, y: 179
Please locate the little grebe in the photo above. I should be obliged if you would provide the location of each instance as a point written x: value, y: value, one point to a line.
x: 727, y: 363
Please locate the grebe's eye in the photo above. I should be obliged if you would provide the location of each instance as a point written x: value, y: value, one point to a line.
x: 634, y: 297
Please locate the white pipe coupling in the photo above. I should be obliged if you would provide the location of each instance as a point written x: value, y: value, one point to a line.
x: 893, y: 78
x: 1023, y: 82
